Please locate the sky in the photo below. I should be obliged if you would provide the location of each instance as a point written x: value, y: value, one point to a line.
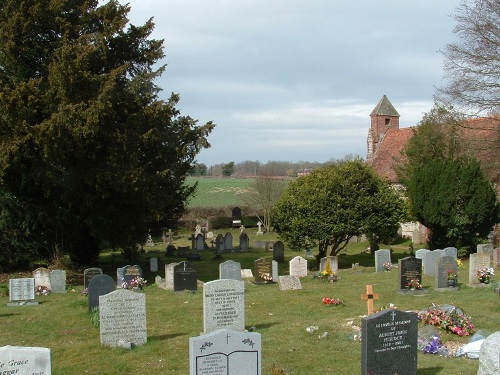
x: 296, y: 80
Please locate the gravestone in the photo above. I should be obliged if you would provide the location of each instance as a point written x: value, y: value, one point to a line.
x: 275, y: 271
x: 263, y: 270
x: 246, y: 273
x: 223, y: 305
x: 225, y: 352
x: 489, y: 358
x: 185, y: 277
x: 382, y: 256
x: 485, y: 248
x: 259, y: 244
x: 99, y: 285
x: 444, y: 264
x: 450, y: 251
x: 169, y: 275
x: 22, y: 292
x: 429, y: 262
x: 219, y: 243
x: 279, y: 251
x: 131, y: 272
x: 420, y: 253
x: 58, y: 281
x: 171, y: 250
x: 260, y: 232
x: 244, y: 242
x: 389, y: 343
x: 289, y: 283
x: 409, y: 268
x: 88, y: 274
x: 298, y: 267
x: 496, y: 257
x: 122, y: 317
x: 153, y: 264
x: 476, y: 262
x: 228, y: 242
x: 119, y: 276
x: 230, y: 270
x: 334, y: 263
x: 42, y: 277
x: 25, y: 360
x: 200, y: 242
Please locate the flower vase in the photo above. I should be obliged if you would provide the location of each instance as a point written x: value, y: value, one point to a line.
x: 452, y: 283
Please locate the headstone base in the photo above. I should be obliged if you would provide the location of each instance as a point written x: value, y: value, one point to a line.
x: 448, y: 289
x: 481, y: 285
x: 263, y: 282
x: 22, y: 303
x: 415, y: 292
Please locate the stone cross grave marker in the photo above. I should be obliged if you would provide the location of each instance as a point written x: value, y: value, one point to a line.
x: 22, y: 291
x: 298, y: 267
x: 122, y: 317
x: 223, y: 305
x: 476, y: 262
x: 25, y: 360
x: 230, y: 270
x: 382, y: 256
x: 99, y: 285
x: 389, y: 343
x: 369, y: 297
x: 444, y: 264
x: 58, y: 281
x: 259, y: 232
x: 185, y: 277
x: 409, y: 269
x: 88, y: 274
x: 226, y: 352
x: 42, y: 277
x: 289, y: 283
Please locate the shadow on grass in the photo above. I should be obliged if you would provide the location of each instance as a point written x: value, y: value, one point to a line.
x: 261, y: 326
x: 6, y: 315
x: 165, y: 337
x: 429, y: 371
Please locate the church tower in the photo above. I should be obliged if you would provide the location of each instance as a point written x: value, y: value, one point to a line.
x: 384, y: 117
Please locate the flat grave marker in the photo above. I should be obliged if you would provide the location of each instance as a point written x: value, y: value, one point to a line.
x: 289, y: 283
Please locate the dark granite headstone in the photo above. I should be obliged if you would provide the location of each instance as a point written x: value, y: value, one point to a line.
x: 171, y: 250
x: 389, y: 343
x: 183, y: 251
x: 409, y: 268
x: 99, y: 285
x: 88, y: 274
x: 263, y: 270
x: 185, y: 277
x: 219, y: 243
x: 131, y: 272
x: 279, y: 251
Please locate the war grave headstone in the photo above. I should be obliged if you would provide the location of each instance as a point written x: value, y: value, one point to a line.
x: 122, y: 317
x: 228, y: 242
x: 444, y: 266
x: 200, y: 242
x: 230, y: 270
x: 58, y: 281
x: 169, y: 276
x: 289, y: 283
x: 298, y: 267
x: 153, y: 264
x: 382, y: 256
x: 22, y: 292
x: 223, y: 305
x: 88, y: 274
x: 485, y: 248
x: 244, y: 242
x: 334, y: 263
x: 275, y: 271
x: 119, y: 276
x: 496, y: 257
x: 410, y: 268
x: 451, y: 251
x: 429, y: 262
x: 263, y: 270
x: 279, y: 251
x: 476, y: 262
x: 99, y: 285
x: 42, y: 277
x: 389, y: 343
x: 25, y: 360
x: 246, y: 273
x: 185, y: 277
x: 226, y: 352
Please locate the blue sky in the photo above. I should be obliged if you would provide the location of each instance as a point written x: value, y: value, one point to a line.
x: 296, y: 80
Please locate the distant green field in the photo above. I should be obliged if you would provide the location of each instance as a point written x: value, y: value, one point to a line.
x: 218, y: 192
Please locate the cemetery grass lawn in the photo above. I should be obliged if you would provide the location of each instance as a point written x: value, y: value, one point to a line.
x: 61, y: 321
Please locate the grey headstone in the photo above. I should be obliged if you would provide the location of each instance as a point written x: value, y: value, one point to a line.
x: 275, y: 270
x: 153, y: 264
x: 99, y: 286
x: 169, y: 275
x: 22, y: 289
x: 244, y: 242
x: 200, y: 242
x: 389, y: 343
x: 228, y: 242
x: 223, y: 305
x: 420, y: 253
x: 289, y: 283
x: 444, y: 264
x: 496, y: 257
x: 58, y: 281
x: 429, y: 262
x: 226, y: 352
x: 485, y: 248
x: 23, y: 360
x: 263, y: 270
x: 219, y: 243
x: 279, y: 251
x: 42, y: 277
x: 409, y: 268
x: 382, y: 256
x: 334, y: 263
x: 476, y: 262
x: 298, y: 267
x: 88, y: 274
x: 119, y: 276
x: 451, y: 251
x: 230, y: 270
x: 185, y: 277
x: 122, y: 316
x: 489, y: 358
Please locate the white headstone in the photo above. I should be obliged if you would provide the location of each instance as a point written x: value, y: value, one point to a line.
x: 223, y: 305
x: 476, y: 262
x: 334, y: 263
x: 451, y: 252
x: 420, y: 253
x: 169, y: 275
x: 21, y: 289
x: 23, y: 360
x: 42, y: 277
x: 298, y: 267
x: 246, y: 272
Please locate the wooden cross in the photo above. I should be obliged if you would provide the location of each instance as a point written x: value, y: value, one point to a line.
x: 369, y: 297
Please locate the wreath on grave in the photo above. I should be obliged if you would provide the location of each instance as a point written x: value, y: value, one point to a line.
x: 449, y: 318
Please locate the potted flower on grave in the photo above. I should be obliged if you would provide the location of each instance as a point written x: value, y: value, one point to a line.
x: 387, y: 266
x: 484, y: 275
x: 452, y: 278
x: 414, y: 284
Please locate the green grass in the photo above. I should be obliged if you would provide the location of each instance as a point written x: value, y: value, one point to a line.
x: 61, y: 321
x: 218, y: 192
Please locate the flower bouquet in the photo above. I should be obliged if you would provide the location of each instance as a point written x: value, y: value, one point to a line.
x: 136, y: 283
x: 387, y: 266
x: 452, y: 275
x: 484, y: 275
x: 332, y: 301
x: 414, y: 284
x: 449, y: 318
